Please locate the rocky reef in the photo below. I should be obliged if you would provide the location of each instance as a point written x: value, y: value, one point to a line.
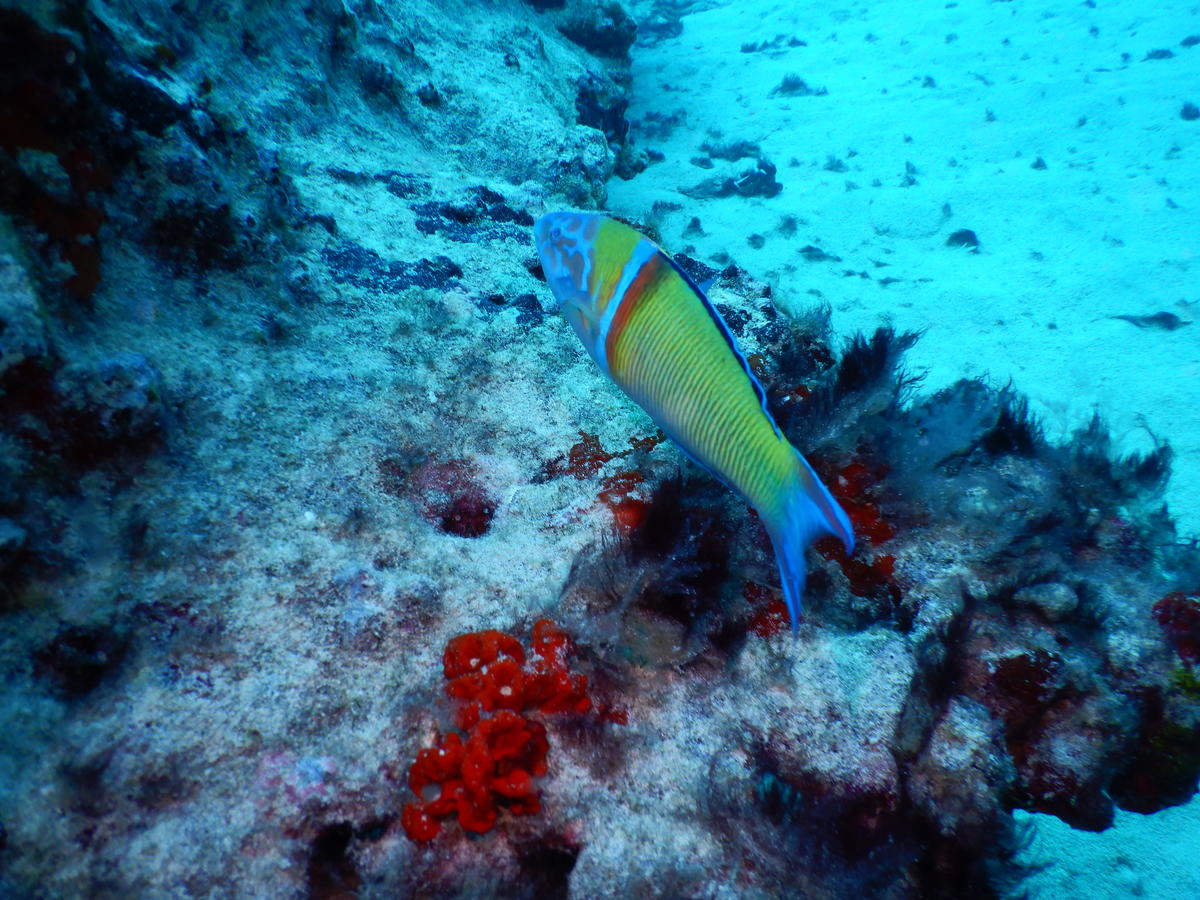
x: 283, y: 416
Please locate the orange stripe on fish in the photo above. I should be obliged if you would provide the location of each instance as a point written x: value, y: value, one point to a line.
x: 645, y: 276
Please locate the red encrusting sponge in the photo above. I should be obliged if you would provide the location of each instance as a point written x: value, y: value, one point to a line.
x: 855, y: 487
x: 1179, y: 615
x: 493, y: 763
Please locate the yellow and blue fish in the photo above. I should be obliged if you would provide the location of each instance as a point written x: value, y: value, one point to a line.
x: 652, y: 331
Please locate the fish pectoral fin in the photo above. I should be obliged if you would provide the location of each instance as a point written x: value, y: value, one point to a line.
x: 578, y: 309
x: 579, y: 303
x: 566, y: 292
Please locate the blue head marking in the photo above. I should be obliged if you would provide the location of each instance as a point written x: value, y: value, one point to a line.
x: 564, y: 246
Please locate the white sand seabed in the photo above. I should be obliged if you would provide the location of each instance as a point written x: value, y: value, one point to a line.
x: 1152, y: 857
x: 1110, y: 227
x: 928, y: 118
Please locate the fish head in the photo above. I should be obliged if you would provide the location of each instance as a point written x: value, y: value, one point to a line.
x: 588, y: 260
x: 564, y: 244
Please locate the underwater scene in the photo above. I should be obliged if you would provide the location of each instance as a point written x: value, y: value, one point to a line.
x: 669, y: 449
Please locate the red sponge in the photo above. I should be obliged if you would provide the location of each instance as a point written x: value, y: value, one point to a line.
x: 493, y: 763
x: 1179, y: 615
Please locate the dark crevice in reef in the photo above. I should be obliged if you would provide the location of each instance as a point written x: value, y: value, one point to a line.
x: 105, y: 117
x: 940, y: 671
x: 46, y: 108
x: 331, y: 872
x: 59, y: 423
x: 95, y: 151
x: 545, y: 870
x: 79, y: 659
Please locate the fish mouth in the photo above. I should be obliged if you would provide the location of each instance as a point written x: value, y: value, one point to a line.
x: 560, y: 238
x: 541, y: 228
x: 541, y: 238
x: 545, y: 241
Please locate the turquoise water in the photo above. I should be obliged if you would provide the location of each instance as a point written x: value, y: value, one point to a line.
x: 298, y: 452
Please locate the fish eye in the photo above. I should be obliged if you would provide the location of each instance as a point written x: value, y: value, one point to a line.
x: 555, y: 233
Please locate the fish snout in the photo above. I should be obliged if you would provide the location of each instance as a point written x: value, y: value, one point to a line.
x: 555, y: 235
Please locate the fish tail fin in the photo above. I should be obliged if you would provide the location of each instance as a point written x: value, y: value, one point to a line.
x: 808, y: 511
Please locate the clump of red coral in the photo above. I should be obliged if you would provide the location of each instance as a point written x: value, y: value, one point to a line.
x: 628, y: 512
x: 583, y: 460
x: 492, y: 763
x: 856, y: 487
x: 771, y: 616
x: 586, y: 458
x: 1179, y: 615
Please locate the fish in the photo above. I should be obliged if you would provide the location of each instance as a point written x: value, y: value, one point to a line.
x: 655, y: 334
